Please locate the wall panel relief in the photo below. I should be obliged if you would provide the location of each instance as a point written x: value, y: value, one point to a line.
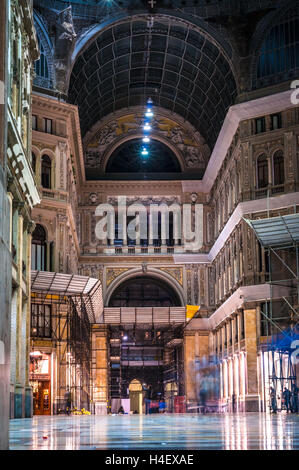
x: 193, y: 151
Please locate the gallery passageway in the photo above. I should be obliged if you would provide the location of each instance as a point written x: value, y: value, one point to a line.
x: 149, y: 223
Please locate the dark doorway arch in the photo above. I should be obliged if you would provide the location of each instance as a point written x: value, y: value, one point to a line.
x: 128, y: 158
x: 144, y: 292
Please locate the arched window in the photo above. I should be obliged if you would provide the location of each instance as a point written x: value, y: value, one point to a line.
x: 280, y: 51
x: 33, y: 162
x: 46, y: 171
x: 262, y: 171
x: 39, y: 249
x: 144, y: 292
x: 41, y: 65
x: 278, y: 168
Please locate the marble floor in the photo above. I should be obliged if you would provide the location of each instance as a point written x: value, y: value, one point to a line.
x: 173, y: 431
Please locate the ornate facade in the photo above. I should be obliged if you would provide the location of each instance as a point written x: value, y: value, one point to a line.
x: 224, y: 136
x: 20, y: 194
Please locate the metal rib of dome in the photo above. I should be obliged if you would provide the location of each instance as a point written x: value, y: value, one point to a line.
x: 172, y: 62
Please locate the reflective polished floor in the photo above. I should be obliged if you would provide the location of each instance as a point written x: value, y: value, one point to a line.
x: 173, y: 431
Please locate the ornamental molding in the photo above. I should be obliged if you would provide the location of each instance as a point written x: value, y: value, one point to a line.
x: 113, y: 273
x: 176, y: 273
x: 43, y: 146
x: 188, y: 145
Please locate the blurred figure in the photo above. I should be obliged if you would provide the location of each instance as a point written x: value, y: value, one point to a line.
x: 121, y: 410
x: 203, y: 392
x: 233, y: 402
x: 294, y: 399
x: 287, y: 399
x: 273, y: 401
x: 162, y: 406
x: 68, y: 401
x: 147, y: 398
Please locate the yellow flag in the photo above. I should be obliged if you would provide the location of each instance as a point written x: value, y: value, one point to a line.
x: 191, y: 311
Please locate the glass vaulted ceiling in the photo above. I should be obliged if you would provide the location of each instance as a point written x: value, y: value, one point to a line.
x: 172, y: 62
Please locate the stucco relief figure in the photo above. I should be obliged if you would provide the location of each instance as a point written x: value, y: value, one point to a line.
x: 177, y: 135
x: 93, y: 198
x: 65, y: 26
x: 194, y: 158
x: 93, y: 158
x: 107, y: 134
x: 64, y: 45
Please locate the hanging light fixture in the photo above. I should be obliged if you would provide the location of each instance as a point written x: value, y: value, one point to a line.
x: 144, y: 152
x: 147, y: 128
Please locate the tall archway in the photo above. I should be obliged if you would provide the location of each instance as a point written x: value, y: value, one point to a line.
x: 145, y: 291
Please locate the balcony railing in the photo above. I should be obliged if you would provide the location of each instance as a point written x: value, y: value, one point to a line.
x: 269, y: 191
x: 137, y: 249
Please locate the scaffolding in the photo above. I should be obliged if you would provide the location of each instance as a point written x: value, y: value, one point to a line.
x: 136, y: 350
x: 279, y: 237
x: 74, y: 303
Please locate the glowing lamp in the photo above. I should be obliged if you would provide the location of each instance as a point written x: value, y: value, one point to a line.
x: 144, y: 151
x: 149, y: 113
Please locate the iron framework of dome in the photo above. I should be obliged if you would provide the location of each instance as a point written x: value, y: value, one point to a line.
x: 168, y: 59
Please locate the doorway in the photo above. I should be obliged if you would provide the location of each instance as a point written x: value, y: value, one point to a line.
x: 171, y: 391
x: 136, y: 397
x: 41, y: 397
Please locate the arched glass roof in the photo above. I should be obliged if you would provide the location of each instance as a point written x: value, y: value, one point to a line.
x: 167, y: 59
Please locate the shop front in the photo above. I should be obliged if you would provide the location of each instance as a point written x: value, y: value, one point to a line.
x: 40, y: 381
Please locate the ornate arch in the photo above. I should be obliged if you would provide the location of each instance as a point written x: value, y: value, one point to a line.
x: 184, y: 141
x: 151, y: 272
x: 48, y: 50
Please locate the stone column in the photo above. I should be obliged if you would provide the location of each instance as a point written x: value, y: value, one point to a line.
x: 189, y: 368
x: 99, y: 372
x: 196, y: 347
x: 252, y: 397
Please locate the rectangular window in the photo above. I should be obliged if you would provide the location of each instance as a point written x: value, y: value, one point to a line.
x: 260, y: 125
x: 34, y: 122
x: 276, y: 122
x: 47, y: 125
x: 41, y: 321
x: 242, y: 325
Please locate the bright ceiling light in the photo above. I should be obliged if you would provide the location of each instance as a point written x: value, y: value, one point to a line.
x: 146, y: 140
x: 147, y: 127
x: 149, y: 113
x: 144, y: 151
